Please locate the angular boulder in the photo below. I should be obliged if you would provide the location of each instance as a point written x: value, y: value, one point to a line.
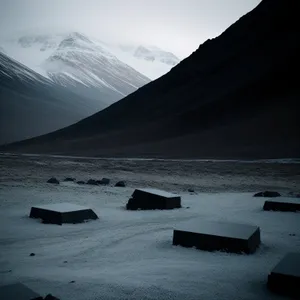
x: 284, y: 279
x: 268, y: 194
x: 60, y: 213
x: 103, y: 181
x: 153, y: 199
x: 217, y: 236
x: 92, y: 182
x: 120, y: 184
x: 53, y: 180
x: 18, y: 291
x: 286, y: 204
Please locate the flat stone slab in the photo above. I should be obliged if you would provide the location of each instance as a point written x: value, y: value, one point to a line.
x: 153, y: 199
x: 60, y: 213
x: 283, y: 204
x: 17, y: 291
x: 217, y: 236
x: 285, y: 277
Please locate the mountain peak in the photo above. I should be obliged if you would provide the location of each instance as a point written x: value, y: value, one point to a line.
x: 75, y: 39
x: 153, y: 53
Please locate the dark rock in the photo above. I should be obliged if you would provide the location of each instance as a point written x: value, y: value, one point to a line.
x: 103, y: 181
x: 92, y: 182
x: 284, y: 279
x: 80, y: 182
x: 53, y: 180
x: 65, y: 262
x: 217, y: 236
x: 50, y: 297
x: 69, y: 179
x: 131, y: 204
x: 73, y: 281
x: 32, y: 254
x: 153, y: 199
x: 292, y: 234
x: 260, y: 194
x: 282, y: 204
x: 60, y: 213
x: 191, y: 190
x: 120, y: 184
x: 269, y: 194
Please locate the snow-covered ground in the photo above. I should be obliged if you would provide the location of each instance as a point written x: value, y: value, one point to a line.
x: 129, y: 254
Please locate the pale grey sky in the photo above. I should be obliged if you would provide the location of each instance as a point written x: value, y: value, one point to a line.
x: 175, y: 25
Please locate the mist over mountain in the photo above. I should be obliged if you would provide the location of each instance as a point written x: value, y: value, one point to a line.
x: 34, y: 50
x: 83, y: 71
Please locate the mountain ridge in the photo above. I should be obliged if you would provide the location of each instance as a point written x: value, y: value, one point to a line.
x: 31, y: 104
x: 42, y: 44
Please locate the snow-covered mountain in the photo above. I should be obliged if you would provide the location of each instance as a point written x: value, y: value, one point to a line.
x: 76, y: 62
x: 49, y: 81
x: 148, y: 60
x: 156, y: 54
x: 31, y: 104
x: 34, y: 49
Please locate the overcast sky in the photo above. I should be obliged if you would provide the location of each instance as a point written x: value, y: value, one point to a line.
x: 175, y: 25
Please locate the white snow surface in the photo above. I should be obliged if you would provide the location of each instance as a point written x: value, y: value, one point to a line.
x: 62, y: 207
x: 129, y: 254
x: 159, y: 192
x: 289, y: 265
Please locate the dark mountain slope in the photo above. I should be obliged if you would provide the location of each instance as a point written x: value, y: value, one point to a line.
x: 32, y: 105
x: 236, y: 96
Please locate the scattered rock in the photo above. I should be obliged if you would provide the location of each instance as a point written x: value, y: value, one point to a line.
x: 187, y: 207
x: 32, y: 254
x: 50, y: 297
x: 190, y: 190
x: 53, y: 180
x: 120, y: 184
x: 80, y: 182
x: 92, y: 182
x: 260, y: 194
x: 292, y: 234
x: 6, y: 271
x: 269, y: 194
x: 73, y: 281
x: 103, y: 181
x: 69, y: 179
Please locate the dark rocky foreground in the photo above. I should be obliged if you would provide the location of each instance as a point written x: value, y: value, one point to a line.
x: 201, y: 176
